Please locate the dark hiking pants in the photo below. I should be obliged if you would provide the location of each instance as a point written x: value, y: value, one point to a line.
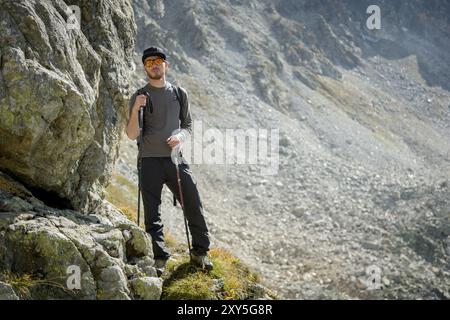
x: 155, y: 172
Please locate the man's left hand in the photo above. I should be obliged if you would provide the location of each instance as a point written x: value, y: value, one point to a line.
x: 173, y: 141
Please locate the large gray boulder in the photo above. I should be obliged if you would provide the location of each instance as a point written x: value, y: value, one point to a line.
x: 147, y: 288
x: 63, y: 96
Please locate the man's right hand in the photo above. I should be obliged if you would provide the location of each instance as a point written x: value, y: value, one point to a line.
x: 141, y: 101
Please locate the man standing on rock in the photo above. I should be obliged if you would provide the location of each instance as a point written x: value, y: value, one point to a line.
x: 157, y: 167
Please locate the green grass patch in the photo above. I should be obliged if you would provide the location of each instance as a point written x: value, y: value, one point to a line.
x: 174, y: 246
x: 229, y: 279
x: 22, y: 283
x: 186, y: 282
x: 123, y: 195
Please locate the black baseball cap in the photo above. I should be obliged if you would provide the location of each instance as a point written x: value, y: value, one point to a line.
x: 153, y: 51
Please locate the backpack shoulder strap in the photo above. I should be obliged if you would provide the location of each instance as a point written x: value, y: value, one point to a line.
x: 141, y: 90
x: 138, y: 92
x: 179, y: 95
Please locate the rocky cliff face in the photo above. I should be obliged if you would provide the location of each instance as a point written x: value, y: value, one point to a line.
x: 62, y: 102
x: 62, y: 96
x: 364, y: 124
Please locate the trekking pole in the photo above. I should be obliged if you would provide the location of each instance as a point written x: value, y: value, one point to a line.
x: 176, y: 160
x: 139, y: 193
x: 141, y: 123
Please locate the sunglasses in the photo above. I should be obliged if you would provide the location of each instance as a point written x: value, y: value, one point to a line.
x: 149, y: 62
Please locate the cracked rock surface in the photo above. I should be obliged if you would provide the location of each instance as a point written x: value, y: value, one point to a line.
x: 112, y: 254
x: 63, y: 95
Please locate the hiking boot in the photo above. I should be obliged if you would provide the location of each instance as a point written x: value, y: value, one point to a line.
x: 202, y: 261
x: 160, y: 265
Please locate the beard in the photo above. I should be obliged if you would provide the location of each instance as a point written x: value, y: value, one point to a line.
x: 155, y: 76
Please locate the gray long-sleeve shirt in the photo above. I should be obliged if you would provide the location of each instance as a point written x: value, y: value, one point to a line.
x: 166, y: 117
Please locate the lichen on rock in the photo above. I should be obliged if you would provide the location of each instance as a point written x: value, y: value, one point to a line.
x: 63, y: 95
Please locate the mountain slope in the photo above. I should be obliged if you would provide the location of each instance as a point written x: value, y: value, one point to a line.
x: 363, y: 119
